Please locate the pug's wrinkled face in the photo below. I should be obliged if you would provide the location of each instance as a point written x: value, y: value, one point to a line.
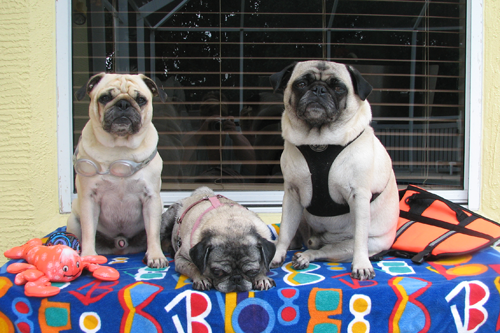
x: 121, y: 103
x: 321, y: 92
x: 234, y: 269
x: 319, y: 95
x: 122, y: 110
x: 235, y: 264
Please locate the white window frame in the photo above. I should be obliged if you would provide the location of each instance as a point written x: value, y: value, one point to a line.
x: 270, y: 201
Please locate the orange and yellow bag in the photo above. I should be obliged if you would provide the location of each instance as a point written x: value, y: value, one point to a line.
x: 431, y: 227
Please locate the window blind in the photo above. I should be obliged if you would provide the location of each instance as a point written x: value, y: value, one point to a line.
x: 221, y: 123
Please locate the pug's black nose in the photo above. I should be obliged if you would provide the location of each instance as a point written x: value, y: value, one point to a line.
x: 319, y: 90
x: 123, y: 104
x: 236, y: 278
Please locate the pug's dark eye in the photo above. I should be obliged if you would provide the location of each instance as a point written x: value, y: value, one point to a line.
x: 339, y: 89
x: 141, y: 101
x: 104, y: 99
x: 252, y: 273
x: 218, y: 272
x: 300, y: 84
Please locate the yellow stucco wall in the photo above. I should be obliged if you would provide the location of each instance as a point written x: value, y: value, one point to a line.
x: 28, y: 124
x: 490, y: 189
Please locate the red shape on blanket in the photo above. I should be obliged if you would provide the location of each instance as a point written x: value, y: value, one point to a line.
x: 57, y: 263
x: 199, y: 305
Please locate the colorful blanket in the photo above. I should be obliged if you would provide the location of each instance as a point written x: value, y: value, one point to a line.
x: 461, y: 294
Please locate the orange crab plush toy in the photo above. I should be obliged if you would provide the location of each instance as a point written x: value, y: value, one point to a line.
x: 56, y: 263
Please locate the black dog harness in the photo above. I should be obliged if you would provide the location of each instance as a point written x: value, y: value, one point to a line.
x: 320, y: 159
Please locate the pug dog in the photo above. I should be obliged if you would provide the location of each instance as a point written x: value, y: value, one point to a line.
x: 118, y: 170
x: 338, y: 178
x: 219, y: 243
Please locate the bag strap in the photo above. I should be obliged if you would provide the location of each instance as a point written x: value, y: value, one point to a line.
x: 420, y: 201
x: 453, y: 206
x: 391, y: 252
x: 446, y: 225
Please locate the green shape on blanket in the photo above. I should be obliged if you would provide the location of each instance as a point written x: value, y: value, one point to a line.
x: 325, y: 328
x: 327, y: 300
x: 56, y: 317
x: 397, y: 267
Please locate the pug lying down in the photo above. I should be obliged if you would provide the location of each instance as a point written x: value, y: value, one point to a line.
x: 219, y: 243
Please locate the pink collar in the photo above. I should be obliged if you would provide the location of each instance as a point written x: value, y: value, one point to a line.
x: 215, y: 204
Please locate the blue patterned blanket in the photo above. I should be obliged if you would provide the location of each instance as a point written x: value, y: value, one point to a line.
x: 461, y: 294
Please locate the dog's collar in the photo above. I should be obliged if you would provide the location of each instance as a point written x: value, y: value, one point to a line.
x: 215, y: 203
x: 134, y: 166
x: 322, y: 148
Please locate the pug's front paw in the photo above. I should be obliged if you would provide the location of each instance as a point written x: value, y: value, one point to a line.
x: 300, y: 261
x: 362, y: 271
x: 156, y: 261
x: 277, y: 260
x: 202, y: 283
x: 264, y: 283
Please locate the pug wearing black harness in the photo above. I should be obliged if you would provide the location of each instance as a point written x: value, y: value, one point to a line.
x: 338, y: 176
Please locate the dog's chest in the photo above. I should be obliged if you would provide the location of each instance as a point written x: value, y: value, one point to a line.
x: 120, y: 202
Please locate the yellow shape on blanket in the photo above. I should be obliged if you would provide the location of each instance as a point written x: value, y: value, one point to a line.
x: 90, y: 322
x: 360, y: 305
x: 5, y: 285
x: 467, y: 270
x: 402, y: 305
x: 359, y: 327
x: 451, y: 261
x: 182, y: 282
x: 335, y: 266
x: 231, y: 299
x: 5, y: 323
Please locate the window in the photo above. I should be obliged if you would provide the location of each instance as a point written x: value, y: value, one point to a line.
x: 221, y: 124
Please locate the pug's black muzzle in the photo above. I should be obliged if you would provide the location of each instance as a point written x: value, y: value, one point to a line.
x: 122, y: 119
x: 233, y: 283
x: 318, y: 105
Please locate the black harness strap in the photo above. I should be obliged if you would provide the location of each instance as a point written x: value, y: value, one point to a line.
x: 320, y: 159
x: 320, y: 162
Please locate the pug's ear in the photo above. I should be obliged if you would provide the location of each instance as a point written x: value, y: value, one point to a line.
x: 361, y: 87
x: 199, y: 254
x: 279, y: 80
x: 87, y: 88
x: 267, y: 250
x: 154, y: 88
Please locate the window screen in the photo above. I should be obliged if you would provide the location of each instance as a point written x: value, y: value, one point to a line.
x: 221, y: 124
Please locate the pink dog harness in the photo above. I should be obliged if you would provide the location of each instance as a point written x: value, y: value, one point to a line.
x: 215, y: 203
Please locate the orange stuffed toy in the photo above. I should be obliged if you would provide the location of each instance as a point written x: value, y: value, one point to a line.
x: 56, y: 263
